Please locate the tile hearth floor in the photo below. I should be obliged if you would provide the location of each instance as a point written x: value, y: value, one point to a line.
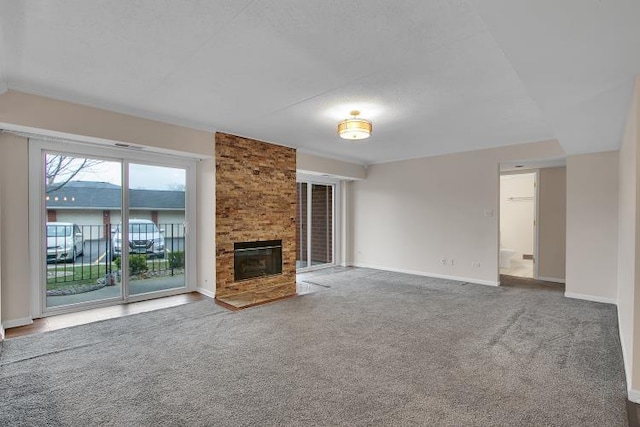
x: 304, y: 285
x: 251, y: 298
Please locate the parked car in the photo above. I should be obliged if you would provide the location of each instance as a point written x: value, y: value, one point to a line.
x: 64, y: 241
x: 144, y: 238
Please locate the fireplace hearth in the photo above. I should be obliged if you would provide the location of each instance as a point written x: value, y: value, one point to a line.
x: 257, y: 259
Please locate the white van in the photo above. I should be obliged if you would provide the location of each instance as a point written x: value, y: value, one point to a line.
x: 64, y: 241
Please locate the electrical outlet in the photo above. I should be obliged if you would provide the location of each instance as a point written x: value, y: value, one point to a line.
x: 443, y: 261
x: 475, y: 264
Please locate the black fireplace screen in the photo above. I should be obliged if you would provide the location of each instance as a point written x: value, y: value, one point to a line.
x: 256, y: 259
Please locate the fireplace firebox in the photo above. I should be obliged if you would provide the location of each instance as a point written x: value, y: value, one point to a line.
x: 257, y: 259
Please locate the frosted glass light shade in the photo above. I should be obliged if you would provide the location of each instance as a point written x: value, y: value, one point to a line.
x: 354, y: 128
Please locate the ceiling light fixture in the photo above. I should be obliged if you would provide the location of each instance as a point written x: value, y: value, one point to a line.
x: 354, y: 128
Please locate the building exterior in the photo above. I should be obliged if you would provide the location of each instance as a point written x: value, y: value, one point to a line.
x: 94, y: 206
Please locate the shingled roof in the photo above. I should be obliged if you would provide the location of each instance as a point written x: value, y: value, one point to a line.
x: 106, y: 196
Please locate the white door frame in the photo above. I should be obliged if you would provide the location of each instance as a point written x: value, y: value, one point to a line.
x: 37, y: 217
x: 536, y: 227
x: 536, y: 214
x: 337, y: 220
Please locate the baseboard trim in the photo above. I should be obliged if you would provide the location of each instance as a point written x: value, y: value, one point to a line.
x: 206, y: 292
x: 625, y: 361
x: 427, y: 274
x: 551, y: 279
x: 592, y: 298
x: 633, y: 395
x: 17, y: 322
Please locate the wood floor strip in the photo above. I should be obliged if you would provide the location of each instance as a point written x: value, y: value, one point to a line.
x: 60, y: 321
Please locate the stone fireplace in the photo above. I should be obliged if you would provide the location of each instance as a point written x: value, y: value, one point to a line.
x: 255, y: 221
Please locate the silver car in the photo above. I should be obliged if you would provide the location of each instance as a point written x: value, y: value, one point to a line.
x: 64, y: 241
x: 144, y: 238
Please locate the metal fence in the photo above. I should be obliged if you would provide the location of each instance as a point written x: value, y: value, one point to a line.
x: 81, y: 254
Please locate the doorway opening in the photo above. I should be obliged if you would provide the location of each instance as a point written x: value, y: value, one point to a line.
x: 518, y: 219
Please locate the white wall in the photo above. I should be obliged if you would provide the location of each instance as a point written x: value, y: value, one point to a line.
x: 35, y: 111
x: 552, y: 223
x: 1, y: 326
x: 592, y: 226
x: 134, y: 214
x: 517, y: 213
x: 628, y: 295
x: 168, y: 218
x: 14, y: 179
x: 310, y: 164
x: 206, y: 217
x: 82, y: 217
x: 409, y: 215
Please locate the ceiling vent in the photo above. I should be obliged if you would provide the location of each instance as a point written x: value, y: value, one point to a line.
x: 128, y: 146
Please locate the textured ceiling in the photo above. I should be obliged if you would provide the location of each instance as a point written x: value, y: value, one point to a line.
x: 437, y: 76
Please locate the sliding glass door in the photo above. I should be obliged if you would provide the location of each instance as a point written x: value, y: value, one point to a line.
x: 302, y: 252
x: 315, y: 224
x: 321, y: 230
x: 79, y: 194
x: 156, y: 245
x: 112, y: 228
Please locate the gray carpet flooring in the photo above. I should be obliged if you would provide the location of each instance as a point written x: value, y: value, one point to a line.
x: 367, y: 348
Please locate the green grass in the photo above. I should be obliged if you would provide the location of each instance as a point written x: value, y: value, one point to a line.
x: 73, y: 274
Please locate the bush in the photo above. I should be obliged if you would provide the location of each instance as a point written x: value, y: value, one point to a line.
x: 176, y: 259
x: 137, y: 264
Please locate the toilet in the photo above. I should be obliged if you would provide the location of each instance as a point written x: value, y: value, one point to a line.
x: 505, y: 257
